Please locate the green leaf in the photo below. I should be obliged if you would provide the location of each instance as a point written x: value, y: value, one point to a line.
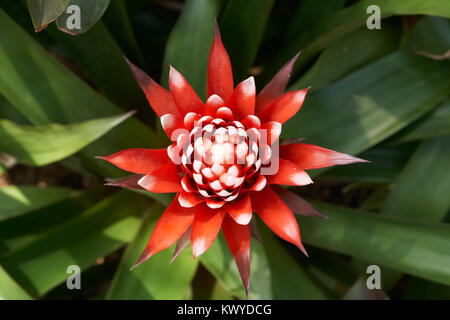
x: 187, y: 49
x: 44, y: 91
x: 420, y: 193
x: 219, y: 261
x: 413, y: 247
x: 90, y: 11
x: 348, y: 19
x: 431, y: 35
x: 434, y: 124
x: 41, y: 265
x: 289, y: 280
x: 41, y: 145
x: 419, y: 289
x: 348, y: 53
x: 43, y: 11
x: 427, y: 168
x: 26, y: 227
x: 117, y: 21
x: 386, y: 162
x: 155, y: 278
x: 9, y: 289
x: 8, y: 111
x: 308, y: 13
x: 242, y: 26
x: 19, y: 200
x: 371, y: 103
x: 96, y: 52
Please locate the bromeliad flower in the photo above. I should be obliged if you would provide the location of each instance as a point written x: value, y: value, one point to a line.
x: 224, y: 161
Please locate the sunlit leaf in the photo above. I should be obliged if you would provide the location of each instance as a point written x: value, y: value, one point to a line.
x: 44, y: 144
x: 18, y: 200
x: 9, y: 289
x: 434, y: 124
x: 96, y: 51
x: 42, y: 264
x: 371, y: 103
x: 45, y: 91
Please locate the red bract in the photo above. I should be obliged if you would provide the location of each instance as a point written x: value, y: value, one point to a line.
x: 220, y: 163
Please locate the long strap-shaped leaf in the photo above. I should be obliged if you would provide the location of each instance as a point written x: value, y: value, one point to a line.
x: 42, y: 264
x: 155, y: 278
x: 17, y: 200
x: 190, y: 40
x: 350, y: 18
x: 9, y: 289
x: 413, y: 247
x: 242, y: 26
x: 44, y: 91
x: 435, y: 124
x: 289, y: 280
x: 41, y: 145
x: 371, y: 103
x: 421, y: 193
x: 219, y: 261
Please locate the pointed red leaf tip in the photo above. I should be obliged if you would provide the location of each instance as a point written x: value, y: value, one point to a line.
x: 296, y: 203
x: 289, y: 174
x: 138, y: 160
x: 240, y: 210
x: 130, y: 182
x: 162, y: 180
x: 169, y: 228
x: 182, y: 243
x: 273, y: 131
x: 170, y: 123
x: 213, y: 103
x: 308, y: 156
x: 242, y: 101
x: 159, y: 98
x: 220, y: 75
x: 283, y: 108
x: 206, y: 226
x: 185, y: 97
x: 189, y: 199
x: 277, y: 216
x: 238, y: 239
x: 275, y: 87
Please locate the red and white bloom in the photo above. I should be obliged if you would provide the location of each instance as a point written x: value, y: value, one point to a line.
x: 217, y: 160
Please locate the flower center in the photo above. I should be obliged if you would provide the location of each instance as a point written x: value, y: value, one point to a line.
x: 219, y: 158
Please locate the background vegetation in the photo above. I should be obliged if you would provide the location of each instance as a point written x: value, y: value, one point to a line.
x: 380, y: 94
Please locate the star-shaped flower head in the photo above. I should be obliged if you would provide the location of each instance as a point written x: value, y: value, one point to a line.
x: 224, y: 161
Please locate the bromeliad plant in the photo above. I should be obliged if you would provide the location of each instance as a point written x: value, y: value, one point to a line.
x: 224, y: 161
